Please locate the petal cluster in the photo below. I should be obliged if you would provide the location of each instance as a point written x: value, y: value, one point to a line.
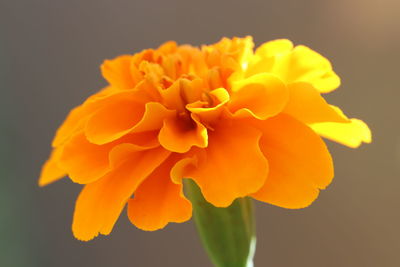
x: 238, y: 121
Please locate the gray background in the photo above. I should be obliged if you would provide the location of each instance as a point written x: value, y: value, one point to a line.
x: 50, y: 52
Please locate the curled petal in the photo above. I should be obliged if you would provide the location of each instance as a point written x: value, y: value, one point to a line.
x: 266, y: 56
x: 100, y: 203
x: 306, y: 65
x: 83, y: 161
x: 181, y: 92
x: 172, y: 96
x: 121, y: 152
x: 299, y: 64
x: 229, y: 52
x: 118, y: 72
x: 299, y: 162
x: 329, y: 121
x: 142, y: 140
x: 180, y: 134
x: 351, y: 134
x: 158, y: 201
x: 74, y: 122
x: 51, y: 170
x: 153, y: 117
x: 119, y: 117
x: 168, y: 47
x: 274, y: 48
x: 77, y: 118
x: 231, y: 166
x: 307, y: 105
x: 210, y: 114
x: 214, y: 78
x: 86, y: 162
x: 191, y: 90
x: 261, y: 95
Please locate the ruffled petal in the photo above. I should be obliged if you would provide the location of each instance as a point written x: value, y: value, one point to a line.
x: 266, y: 55
x: 307, y: 105
x: 299, y: 163
x: 142, y: 141
x: 172, y: 96
x: 51, y: 170
x: 72, y: 124
x: 153, y: 117
x: 273, y: 48
x: 228, y: 53
x: 78, y: 116
x: 351, y: 134
x: 305, y: 65
x: 231, y: 166
x: 299, y: 64
x: 181, y: 92
x: 116, y: 118
x: 206, y: 113
x: 118, y: 72
x: 86, y: 162
x: 180, y: 134
x: 261, y: 96
x: 83, y: 161
x: 158, y: 201
x: 100, y: 203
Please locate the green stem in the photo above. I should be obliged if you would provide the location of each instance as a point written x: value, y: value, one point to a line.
x: 228, y: 234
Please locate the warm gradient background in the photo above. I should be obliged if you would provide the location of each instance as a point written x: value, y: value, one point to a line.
x: 50, y: 52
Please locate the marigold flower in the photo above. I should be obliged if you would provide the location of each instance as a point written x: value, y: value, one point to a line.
x: 238, y: 122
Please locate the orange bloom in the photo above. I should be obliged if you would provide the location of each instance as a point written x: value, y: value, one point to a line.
x: 237, y: 122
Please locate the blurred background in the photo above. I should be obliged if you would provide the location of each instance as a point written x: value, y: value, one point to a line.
x: 50, y: 52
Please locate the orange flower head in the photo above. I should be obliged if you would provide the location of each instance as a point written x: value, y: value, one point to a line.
x: 238, y: 122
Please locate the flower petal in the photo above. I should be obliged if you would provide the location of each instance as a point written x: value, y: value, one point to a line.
x: 305, y: 65
x: 273, y: 48
x: 100, y: 203
x: 262, y: 96
x: 86, y: 162
x: 180, y: 134
x: 231, y: 166
x: 158, y: 201
x: 351, y: 134
x: 329, y: 121
x: 83, y: 161
x: 117, y: 118
x: 77, y: 118
x: 142, y: 141
x: 210, y: 114
x: 118, y: 72
x: 153, y: 117
x: 300, y: 64
x: 172, y: 96
x: 266, y: 55
x: 307, y: 105
x: 181, y: 92
x: 299, y: 161
x: 51, y: 170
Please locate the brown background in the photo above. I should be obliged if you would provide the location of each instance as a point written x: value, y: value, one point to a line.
x: 50, y: 52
